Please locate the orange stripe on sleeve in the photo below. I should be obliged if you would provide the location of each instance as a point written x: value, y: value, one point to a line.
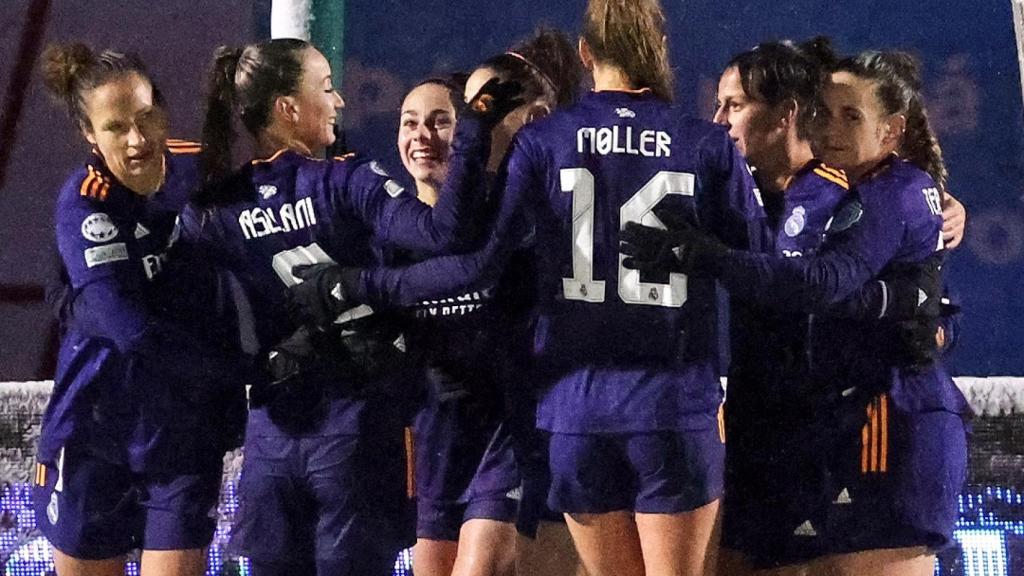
x: 94, y: 188
x: 410, y: 463
x: 83, y: 190
x: 834, y: 171
x: 832, y: 178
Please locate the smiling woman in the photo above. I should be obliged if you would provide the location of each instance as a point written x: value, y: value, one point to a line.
x: 323, y: 487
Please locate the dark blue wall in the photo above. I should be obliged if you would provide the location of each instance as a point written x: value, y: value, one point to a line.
x: 971, y: 81
x: 970, y: 68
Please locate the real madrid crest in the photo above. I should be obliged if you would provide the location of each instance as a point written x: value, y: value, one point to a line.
x: 98, y: 227
x: 796, y: 222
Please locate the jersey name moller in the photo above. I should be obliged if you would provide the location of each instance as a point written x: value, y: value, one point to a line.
x: 623, y: 140
x: 259, y: 222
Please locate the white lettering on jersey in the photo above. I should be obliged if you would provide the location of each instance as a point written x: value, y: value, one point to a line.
x: 621, y: 140
x: 458, y: 306
x: 153, y: 264
x: 105, y: 254
x: 934, y: 200
x: 792, y: 253
x: 260, y: 222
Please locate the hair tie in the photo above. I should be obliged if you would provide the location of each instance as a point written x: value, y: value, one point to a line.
x: 535, y: 68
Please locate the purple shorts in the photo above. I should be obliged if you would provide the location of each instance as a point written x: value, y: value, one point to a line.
x: 465, y: 469
x: 92, y: 509
x: 891, y: 481
x: 662, y: 472
x: 339, y: 500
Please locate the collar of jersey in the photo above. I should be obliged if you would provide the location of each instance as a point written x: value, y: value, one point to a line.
x: 118, y: 188
x: 622, y: 95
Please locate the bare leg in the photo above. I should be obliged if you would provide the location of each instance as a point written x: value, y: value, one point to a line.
x: 678, y: 544
x: 915, y: 561
x: 70, y: 566
x: 608, y: 544
x: 486, y: 548
x: 434, y: 557
x: 174, y: 562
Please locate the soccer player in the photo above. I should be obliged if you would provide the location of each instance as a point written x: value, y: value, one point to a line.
x: 323, y: 488
x: 626, y: 363
x: 468, y: 482
x: 893, y: 435
x: 132, y: 439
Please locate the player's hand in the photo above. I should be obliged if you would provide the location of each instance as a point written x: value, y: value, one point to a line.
x: 494, y: 101
x: 289, y: 357
x: 375, y: 346
x: 680, y: 247
x: 914, y: 291
x: 323, y: 294
x: 917, y: 342
x: 954, y: 221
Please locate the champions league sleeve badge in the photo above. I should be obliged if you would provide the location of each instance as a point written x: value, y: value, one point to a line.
x: 98, y: 227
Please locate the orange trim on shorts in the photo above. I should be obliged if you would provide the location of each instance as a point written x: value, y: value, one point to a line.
x: 874, y: 437
x: 883, y: 401
x: 410, y: 463
x: 40, y: 474
x: 721, y: 422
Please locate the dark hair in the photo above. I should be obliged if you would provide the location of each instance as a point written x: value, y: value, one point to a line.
x: 631, y: 35
x: 455, y: 84
x: 545, y: 65
x: 246, y: 81
x: 71, y: 70
x: 897, y: 79
x: 774, y: 72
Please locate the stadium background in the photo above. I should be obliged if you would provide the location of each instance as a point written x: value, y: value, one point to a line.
x: 972, y: 83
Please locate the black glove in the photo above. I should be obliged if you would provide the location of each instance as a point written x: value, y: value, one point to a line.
x: 494, y: 101
x: 913, y: 290
x: 290, y: 357
x: 323, y: 293
x: 680, y: 247
x: 375, y: 345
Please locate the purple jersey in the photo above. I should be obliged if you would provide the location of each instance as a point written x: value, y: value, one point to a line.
x: 617, y: 351
x: 894, y: 217
x: 290, y: 209
x: 768, y: 347
x: 129, y: 374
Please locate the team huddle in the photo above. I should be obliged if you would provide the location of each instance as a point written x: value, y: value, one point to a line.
x: 514, y: 367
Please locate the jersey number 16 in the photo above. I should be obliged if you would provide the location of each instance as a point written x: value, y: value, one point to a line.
x: 582, y: 286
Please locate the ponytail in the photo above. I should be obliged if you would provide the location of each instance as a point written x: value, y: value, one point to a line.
x: 218, y: 125
x: 244, y: 81
x: 630, y: 34
x: 71, y: 70
x: 921, y: 147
